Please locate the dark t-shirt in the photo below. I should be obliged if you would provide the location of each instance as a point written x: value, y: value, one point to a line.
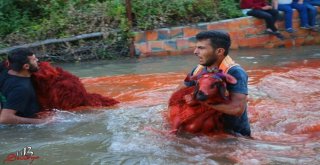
x: 234, y: 124
x: 19, y: 95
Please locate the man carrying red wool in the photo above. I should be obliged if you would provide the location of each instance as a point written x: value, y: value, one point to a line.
x: 212, y: 48
x: 18, y: 99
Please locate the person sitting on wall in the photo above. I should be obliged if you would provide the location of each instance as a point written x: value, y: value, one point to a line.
x: 18, y: 99
x: 308, y: 21
x: 287, y: 7
x: 313, y: 2
x: 262, y: 10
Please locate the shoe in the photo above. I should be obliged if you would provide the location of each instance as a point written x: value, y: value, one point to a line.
x: 315, y: 29
x: 279, y: 35
x: 269, y: 31
x: 290, y: 30
x: 307, y: 27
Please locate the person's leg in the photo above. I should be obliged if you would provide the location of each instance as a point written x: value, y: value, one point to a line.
x: 302, y: 9
x: 312, y: 14
x: 314, y: 2
x: 270, y: 16
x: 262, y: 14
x: 287, y: 10
x: 275, y: 15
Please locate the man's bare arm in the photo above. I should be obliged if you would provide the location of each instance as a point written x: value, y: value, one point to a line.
x: 235, y: 107
x: 8, y: 116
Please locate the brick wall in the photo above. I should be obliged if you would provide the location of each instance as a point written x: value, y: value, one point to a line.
x: 245, y: 32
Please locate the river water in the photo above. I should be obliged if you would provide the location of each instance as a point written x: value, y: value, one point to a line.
x: 284, y: 112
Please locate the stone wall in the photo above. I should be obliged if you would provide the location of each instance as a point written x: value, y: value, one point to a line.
x: 245, y: 32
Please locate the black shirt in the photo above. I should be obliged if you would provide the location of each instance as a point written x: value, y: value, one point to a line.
x: 19, y: 95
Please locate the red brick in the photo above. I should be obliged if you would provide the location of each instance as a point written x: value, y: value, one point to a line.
x: 289, y: 43
x: 245, y: 33
x: 259, y: 41
x: 317, y: 38
x: 139, y: 37
x: 190, y: 32
x: 176, y: 32
x: 155, y: 46
x: 310, y: 40
x: 233, y: 26
x: 151, y: 35
x: 257, y: 22
x: 299, y: 41
x: 302, y: 32
x: 192, y: 44
x: 251, y: 30
x: 243, y: 42
x: 143, y: 47
x: 170, y: 45
x: 234, y: 35
x: 217, y: 26
x: 163, y: 53
x: 182, y: 44
x: 180, y: 52
x: 234, y: 44
x: 244, y: 22
x: 269, y: 45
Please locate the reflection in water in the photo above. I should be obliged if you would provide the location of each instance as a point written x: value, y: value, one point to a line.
x: 283, y: 111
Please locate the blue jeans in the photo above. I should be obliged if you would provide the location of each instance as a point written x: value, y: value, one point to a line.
x: 313, y: 2
x: 287, y: 9
x: 303, y: 13
x: 312, y: 13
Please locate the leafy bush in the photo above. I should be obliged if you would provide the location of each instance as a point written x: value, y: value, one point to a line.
x: 25, y: 21
x: 11, y: 18
x: 160, y: 13
x: 229, y: 9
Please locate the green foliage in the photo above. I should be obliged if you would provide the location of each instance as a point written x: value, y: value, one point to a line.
x: 11, y: 18
x: 229, y: 8
x: 25, y: 21
x: 160, y: 13
x: 41, y: 19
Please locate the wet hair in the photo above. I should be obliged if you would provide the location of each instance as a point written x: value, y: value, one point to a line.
x: 18, y: 57
x: 218, y: 39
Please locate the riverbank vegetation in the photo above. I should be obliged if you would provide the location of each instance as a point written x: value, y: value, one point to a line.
x: 29, y: 21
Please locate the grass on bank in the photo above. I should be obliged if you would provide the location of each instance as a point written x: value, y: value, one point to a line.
x: 27, y: 21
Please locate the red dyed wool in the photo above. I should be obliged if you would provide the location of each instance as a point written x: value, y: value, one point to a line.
x: 195, y: 116
x: 59, y: 89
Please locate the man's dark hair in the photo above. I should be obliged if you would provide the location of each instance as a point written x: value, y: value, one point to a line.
x: 18, y: 57
x: 219, y: 39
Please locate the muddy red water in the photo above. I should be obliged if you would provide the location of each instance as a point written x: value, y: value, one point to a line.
x: 283, y: 103
x: 284, y: 112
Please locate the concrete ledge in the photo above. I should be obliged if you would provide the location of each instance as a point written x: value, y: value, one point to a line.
x: 245, y: 32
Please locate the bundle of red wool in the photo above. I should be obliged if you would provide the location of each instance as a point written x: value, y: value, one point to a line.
x: 188, y: 109
x: 59, y: 89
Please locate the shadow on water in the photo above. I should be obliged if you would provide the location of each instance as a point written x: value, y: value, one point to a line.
x: 283, y: 111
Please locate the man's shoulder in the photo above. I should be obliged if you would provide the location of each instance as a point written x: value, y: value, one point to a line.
x: 242, y: 80
x: 197, y: 69
x: 236, y: 70
x: 18, y: 83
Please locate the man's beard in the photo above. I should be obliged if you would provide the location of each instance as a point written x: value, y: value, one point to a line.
x: 33, y: 68
x: 210, y: 62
